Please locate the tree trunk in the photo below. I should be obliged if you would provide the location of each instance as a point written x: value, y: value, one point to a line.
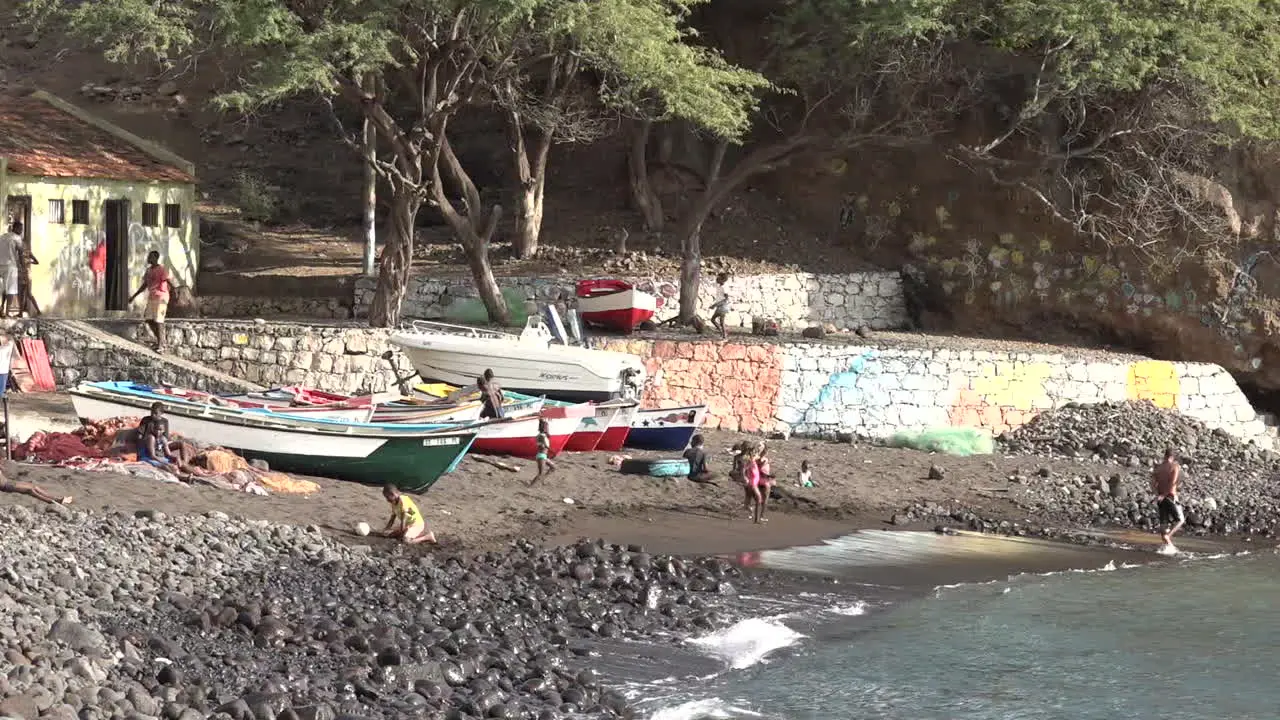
x: 531, y: 169
x: 477, y: 251
x: 473, y: 229
x: 690, y: 234
x: 370, y: 196
x: 642, y: 194
x: 718, y: 186
x: 397, y: 257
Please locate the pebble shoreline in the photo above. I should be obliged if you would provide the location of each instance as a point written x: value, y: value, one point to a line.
x: 1228, y: 486
x: 118, y: 616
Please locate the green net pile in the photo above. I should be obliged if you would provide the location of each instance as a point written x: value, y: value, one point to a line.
x: 952, y: 441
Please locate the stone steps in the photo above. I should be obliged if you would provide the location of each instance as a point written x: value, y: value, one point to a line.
x: 80, y: 351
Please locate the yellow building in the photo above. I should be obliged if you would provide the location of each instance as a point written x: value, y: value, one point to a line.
x: 94, y: 200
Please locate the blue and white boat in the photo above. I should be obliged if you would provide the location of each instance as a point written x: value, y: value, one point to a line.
x: 666, y: 429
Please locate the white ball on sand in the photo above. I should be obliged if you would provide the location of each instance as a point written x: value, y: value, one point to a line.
x: 363, y: 529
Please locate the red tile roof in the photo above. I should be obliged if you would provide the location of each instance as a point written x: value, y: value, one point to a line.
x: 39, y: 139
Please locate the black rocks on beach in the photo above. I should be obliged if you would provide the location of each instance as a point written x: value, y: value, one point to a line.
x: 184, y: 618
x: 1135, y: 434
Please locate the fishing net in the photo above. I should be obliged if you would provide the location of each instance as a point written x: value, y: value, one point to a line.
x: 952, y: 441
x: 471, y: 311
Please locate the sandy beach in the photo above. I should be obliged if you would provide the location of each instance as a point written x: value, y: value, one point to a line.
x: 480, y: 506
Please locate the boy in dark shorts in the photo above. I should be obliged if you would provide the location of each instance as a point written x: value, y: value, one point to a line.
x: 1164, y: 483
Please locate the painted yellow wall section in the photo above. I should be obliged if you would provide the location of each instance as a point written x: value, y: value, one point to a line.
x: 1000, y: 395
x: 1154, y: 380
x: 62, y: 283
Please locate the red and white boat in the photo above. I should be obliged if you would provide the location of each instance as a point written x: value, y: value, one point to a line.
x: 619, y: 428
x: 518, y: 436
x: 591, y: 430
x: 614, y: 304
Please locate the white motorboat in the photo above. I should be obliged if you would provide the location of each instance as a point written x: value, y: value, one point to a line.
x: 529, y: 363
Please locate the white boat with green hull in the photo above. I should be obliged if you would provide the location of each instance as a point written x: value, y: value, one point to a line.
x: 412, y: 461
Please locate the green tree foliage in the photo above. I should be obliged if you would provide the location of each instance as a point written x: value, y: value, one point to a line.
x: 410, y: 65
x: 1123, y: 111
x: 1226, y: 52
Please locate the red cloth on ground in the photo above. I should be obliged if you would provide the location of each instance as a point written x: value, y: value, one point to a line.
x: 54, y: 448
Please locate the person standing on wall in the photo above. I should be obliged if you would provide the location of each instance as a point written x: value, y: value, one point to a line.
x: 155, y: 282
x: 11, y: 252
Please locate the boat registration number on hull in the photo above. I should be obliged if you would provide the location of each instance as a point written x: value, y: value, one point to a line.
x: 439, y: 442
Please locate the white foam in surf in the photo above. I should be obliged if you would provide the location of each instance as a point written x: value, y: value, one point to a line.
x: 711, y: 709
x: 748, y: 642
x: 858, y: 608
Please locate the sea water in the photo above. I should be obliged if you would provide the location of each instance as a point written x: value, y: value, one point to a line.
x: 1186, y: 638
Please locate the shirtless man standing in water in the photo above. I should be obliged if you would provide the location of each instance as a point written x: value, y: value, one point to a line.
x: 1164, y: 483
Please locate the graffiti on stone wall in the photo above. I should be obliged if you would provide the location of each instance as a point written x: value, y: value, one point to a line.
x: 999, y: 396
x: 878, y: 392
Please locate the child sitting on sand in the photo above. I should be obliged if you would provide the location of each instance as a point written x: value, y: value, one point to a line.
x: 154, y: 444
x: 406, y: 521
x: 697, y: 458
x: 805, y: 478
x: 543, y: 457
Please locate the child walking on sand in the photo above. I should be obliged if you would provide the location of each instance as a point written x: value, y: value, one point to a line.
x: 543, y: 457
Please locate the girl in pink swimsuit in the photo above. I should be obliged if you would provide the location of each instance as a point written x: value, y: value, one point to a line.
x: 765, y: 483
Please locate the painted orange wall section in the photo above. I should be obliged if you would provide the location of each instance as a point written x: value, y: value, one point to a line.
x: 738, y: 382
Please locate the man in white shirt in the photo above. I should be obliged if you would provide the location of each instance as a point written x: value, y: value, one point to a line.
x: 10, y: 255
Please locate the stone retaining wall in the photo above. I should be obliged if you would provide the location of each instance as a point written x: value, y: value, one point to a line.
x: 810, y: 388
x: 235, y: 306
x: 338, y: 358
x: 796, y: 300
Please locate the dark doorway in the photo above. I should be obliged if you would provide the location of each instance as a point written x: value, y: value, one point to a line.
x: 117, y: 231
x: 18, y: 207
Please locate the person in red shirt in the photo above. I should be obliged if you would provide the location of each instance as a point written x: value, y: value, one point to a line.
x: 155, y: 282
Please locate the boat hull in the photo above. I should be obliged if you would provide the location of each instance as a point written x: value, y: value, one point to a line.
x: 592, y: 429
x: 465, y: 413
x: 567, y: 373
x: 519, y: 437
x: 412, y: 463
x: 615, y: 436
x: 666, y: 429
x: 622, y: 310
